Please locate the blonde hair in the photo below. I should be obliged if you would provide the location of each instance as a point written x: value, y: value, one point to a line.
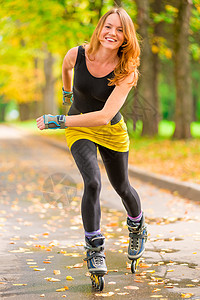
x: 128, y: 53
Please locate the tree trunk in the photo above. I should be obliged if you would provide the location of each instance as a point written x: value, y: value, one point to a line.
x: 148, y: 103
x: 48, y: 92
x: 24, y: 111
x: 2, y: 111
x: 157, y: 6
x: 184, y: 101
x: 117, y: 3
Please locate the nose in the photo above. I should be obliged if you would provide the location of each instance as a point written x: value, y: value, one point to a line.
x: 113, y: 31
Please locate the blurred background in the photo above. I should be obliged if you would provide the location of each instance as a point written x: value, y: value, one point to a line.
x: 35, y: 36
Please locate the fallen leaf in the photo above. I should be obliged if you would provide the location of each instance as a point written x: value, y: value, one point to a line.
x: 187, y: 295
x: 78, y: 265
x: 123, y: 294
x: 109, y: 294
x: 56, y: 272
x: 36, y: 269
x: 131, y: 287
x: 52, y: 279
x: 69, y: 278
x: 60, y: 290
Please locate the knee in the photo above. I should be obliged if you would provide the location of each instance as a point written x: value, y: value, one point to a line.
x: 93, y: 185
x: 123, y: 190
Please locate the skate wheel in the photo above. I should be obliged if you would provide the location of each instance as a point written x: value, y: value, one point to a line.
x: 101, y: 283
x: 97, y: 282
x: 93, y: 281
x: 133, y: 266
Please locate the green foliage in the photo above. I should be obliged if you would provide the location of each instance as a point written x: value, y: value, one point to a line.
x: 29, y: 28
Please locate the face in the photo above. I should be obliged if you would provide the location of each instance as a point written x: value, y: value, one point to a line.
x: 112, y: 36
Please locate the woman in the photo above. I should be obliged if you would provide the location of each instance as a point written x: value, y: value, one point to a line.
x: 105, y: 70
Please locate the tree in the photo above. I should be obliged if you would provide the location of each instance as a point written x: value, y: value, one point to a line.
x: 184, y: 102
x: 146, y: 88
x: 118, y: 3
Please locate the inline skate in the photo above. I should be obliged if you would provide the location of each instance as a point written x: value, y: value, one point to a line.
x: 137, y: 240
x: 95, y: 258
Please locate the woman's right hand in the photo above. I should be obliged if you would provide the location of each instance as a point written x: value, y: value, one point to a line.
x: 40, y: 123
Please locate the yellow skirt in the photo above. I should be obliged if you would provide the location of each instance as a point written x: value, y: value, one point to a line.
x: 114, y: 137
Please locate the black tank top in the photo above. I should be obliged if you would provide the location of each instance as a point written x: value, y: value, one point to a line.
x: 90, y: 93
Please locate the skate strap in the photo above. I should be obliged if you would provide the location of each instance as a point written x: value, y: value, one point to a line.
x: 96, y: 249
x: 137, y: 235
x: 96, y: 254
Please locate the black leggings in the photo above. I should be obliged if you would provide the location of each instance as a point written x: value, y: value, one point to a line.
x: 116, y: 163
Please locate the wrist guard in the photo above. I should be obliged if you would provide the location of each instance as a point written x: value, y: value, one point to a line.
x: 67, y: 97
x: 54, y: 122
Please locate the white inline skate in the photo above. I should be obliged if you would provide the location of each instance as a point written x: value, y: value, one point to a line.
x: 137, y: 240
x: 96, y: 260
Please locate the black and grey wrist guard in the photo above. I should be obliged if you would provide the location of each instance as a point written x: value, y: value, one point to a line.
x: 54, y: 122
x: 67, y: 97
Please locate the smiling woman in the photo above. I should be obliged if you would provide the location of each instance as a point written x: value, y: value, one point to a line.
x: 105, y: 70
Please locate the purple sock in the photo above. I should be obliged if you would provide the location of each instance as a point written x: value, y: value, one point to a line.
x: 92, y: 233
x: 136, y: 219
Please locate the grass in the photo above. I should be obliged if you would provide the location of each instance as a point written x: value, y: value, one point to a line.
x: 161, y: 154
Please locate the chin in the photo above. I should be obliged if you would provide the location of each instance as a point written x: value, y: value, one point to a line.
x: 111, y: 47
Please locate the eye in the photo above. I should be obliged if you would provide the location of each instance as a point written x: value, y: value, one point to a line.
x: 120, y: 30
x: 107, y: 26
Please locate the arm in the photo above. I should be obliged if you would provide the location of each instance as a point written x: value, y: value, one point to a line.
x: 103, y: 116
x: 67, y: 67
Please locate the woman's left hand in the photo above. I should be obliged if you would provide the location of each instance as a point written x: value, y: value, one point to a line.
x: 40, y: 123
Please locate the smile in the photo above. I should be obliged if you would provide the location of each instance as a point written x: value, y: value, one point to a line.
x: 110, y: 39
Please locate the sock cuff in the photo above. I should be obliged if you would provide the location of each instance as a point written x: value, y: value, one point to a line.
x: 92, y: 233
x: 136, y: 219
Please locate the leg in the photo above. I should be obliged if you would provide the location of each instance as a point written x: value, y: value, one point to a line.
x: 116, y: 164
x: 85, y: 156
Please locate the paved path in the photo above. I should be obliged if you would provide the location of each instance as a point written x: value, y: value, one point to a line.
x: 41, y: 229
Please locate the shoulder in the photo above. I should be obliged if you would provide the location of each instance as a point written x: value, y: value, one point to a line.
x: 128, y: 80
x: 70, y: 58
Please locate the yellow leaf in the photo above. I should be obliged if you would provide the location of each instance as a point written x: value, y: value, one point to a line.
x: 69, y: 278
x: 60, y: 290
x: 56, y: 272
x: 187, y: 295
x: 155, y: 49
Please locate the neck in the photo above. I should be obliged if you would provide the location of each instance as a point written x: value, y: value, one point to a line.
x: 104, y: 55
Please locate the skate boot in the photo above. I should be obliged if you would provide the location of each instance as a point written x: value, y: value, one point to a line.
x: 96, y: 260
x: 137, y: 239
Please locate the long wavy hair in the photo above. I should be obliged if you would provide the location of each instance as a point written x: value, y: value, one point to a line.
x: 128, y: 53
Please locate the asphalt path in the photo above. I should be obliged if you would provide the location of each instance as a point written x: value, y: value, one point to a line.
x: 41, y: 234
